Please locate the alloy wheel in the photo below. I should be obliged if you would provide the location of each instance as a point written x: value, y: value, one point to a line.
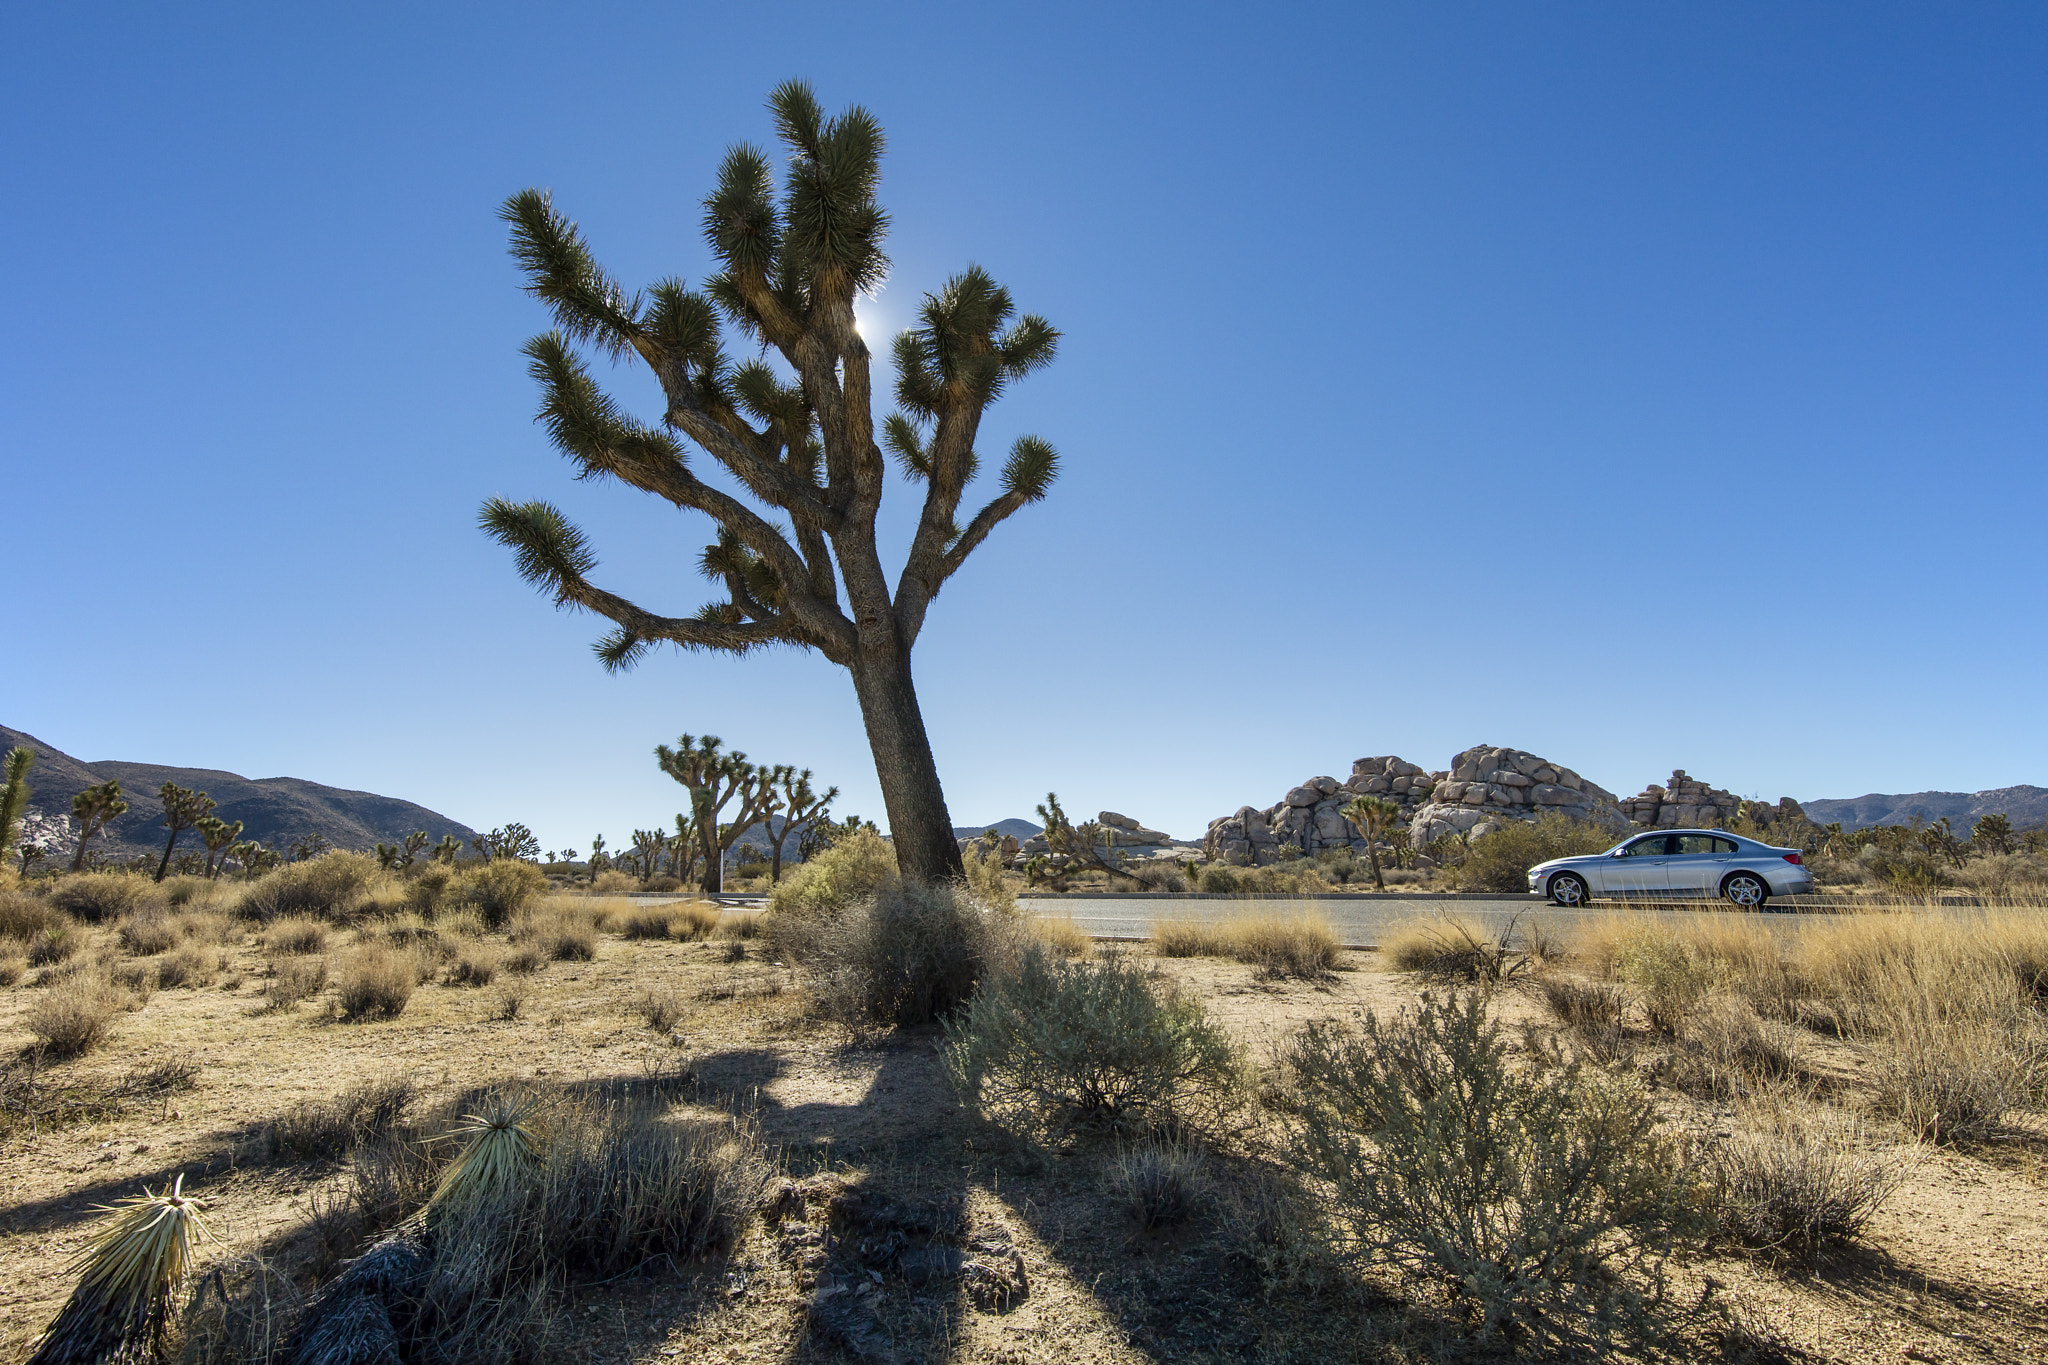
x: 1746, y: 891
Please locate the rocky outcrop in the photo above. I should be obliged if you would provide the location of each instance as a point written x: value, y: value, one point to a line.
x: 1129, y: 835
x: 1688, y: 803
x: 1307, y: 817
x: 1487, y: 785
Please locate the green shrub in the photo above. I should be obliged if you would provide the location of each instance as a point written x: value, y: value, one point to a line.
x: 850, y: 871
x: 1091, y: 1044
x: 984, y: 868
x: 1219, y: 879
x: 1542, y: 1201
x: 906, y: 955
x: 327, y: 887
x: 501, y: 888
x: 98, y: 896
x: 1500, y: 861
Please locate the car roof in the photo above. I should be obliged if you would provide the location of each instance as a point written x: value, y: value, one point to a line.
x: 1717, y: 833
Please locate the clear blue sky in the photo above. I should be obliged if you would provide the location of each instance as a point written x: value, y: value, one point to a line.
x: 1643, y: 385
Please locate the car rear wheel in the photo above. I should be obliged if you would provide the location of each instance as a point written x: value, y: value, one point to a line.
x: 1568, y: 890
x: 1745, y: 890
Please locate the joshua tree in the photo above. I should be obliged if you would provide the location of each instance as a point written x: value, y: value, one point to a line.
x: 218, y: 834
x: 713, y: 777
x: 1090, y: 843
x: 92, y: 808
x: 1993, y: 833
x: 823, y: 832
x: 790, y: 270
x: 14, y: 796
x: 800, y: 806
x: 1373, y: 816
x: 414, y: 842
x: 183, y: 808
x: 647, y: 848
x: 307, y: 847
x: 445, y: 851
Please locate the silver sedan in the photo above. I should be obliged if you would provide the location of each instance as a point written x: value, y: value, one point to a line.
x: 1678, y: 864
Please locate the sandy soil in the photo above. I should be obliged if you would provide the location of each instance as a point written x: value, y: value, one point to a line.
x: 1954, y: 1269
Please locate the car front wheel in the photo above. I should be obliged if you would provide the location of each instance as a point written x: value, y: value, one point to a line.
x: 1568, y: 890
x: 1746, y: 890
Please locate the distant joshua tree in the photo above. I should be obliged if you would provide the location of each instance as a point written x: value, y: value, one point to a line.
x: 410, y: 851
x: 1374, y: 817
x: 800, y: 806
x: 183, y: 808
x: 1992, y: 834
x: 797, y: 552
x: 92, y: 808
x: 446, y: 850
x: 14, y: 796
x: 218, y: 834
x: 713, y: 777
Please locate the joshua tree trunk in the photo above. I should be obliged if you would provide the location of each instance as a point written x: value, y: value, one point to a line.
x: 919, y: 824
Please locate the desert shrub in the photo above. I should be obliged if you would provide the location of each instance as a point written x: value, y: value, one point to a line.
x: 1296, y: 944
x: 327, y: 1129
x: 1156, y: 874
x: 23, y: 917
x: 1541, y: 1201
x: 475, y: 965
x: 1451, y: 949
x: 461, y: 921
x: 296, y: 935
x: 907, y: 955
x: 614, y: 883
x: 98, y: 896
x: 75, y: 1015
x: 429, y: 888
x: 558, y: 933
x: 1500, y: 861
x: 13, y: 965
x: 1726, y: 1048
x: 1159, y: 1185
x: 135, y: 977
x: 1062, y: 935
x: 850, y: 871
x: 148, y: 934
x: 662, y: 1010
x: 209, y: 926
x: 1188, y: 938
x: 53, y: 946
x: 646, y: 924
x: 1944, y: 1082
x: 501, y: 888
x: 375, y: 982
x: 524, y: 959
x: 1591, y: 1010
x: 295, y: 979
x: 511, y: 998
x: 698, y: 920
x: 985, y: 879
x: 1093, y: 1044
x: 1797, y: 1186
x: 1219, y: 879
x: 1669, y: 976
x: 328, y: 887
x: 190, y: 965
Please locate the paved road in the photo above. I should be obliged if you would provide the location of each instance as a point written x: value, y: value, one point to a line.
x: 1359, y: 923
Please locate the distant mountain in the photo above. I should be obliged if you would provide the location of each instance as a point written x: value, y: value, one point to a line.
x: 1022, y: 829
x: 273, y: 810
x: 2026, y: 807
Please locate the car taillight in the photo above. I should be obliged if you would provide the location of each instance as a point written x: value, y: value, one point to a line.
x: 1794, y: 859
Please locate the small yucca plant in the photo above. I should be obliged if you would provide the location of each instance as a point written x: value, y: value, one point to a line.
x: 497, y: 1156
x: 132, y: 1268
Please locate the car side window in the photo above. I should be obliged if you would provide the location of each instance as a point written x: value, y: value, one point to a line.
x: 1702, y: 843
x: 1724, y: 846
x: 1651, y: 847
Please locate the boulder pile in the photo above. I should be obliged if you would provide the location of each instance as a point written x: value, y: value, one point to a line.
x: 1487, y: 784
x: 1129, y: 835
x: 1687, y: 802
x: 1307, y: 816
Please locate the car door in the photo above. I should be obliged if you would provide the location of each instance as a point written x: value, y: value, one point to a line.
x: 1697, y: 863
x: 1637, y: 871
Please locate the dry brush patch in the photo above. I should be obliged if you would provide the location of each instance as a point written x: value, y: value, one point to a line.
x: 1280, y: 943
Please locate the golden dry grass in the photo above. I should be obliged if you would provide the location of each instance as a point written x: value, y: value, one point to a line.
x: 1285, y: 942
x: 1061, y: 934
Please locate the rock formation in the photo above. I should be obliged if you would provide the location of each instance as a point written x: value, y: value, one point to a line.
x: 1307, y: 816
x: 1689, y: 802
x: 1129, y: 835
x: 1487, y: 785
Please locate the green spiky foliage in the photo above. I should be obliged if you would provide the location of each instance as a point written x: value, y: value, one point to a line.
x: 1992, y: 834
x: 183, y: 809
x: 219, y: 835
x: 795, y: 551
x: 497, y: 1155
x: 447, y: 850
x: 800, y: 806
x: 1373, y: 817
x: 409, y: 850
x: 1089, y: 844
x: 648, y: 846
x: 92, y: 808
x: 14, y: 795
x: 130, y: 1272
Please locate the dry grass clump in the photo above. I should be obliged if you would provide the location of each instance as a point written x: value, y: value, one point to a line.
x: 1063, y: 936
x: 23, y: 917
x: 328, y: 887
x: 475, y: 965
x: 612, y: 883
x: 148, y: 934
x: 1160, y: 1185
x: 511, y: 998
x: 1092, y: 1044
x: 375, y: 982
x: 1450, y: 948
x: 1792, y: 1183
x: 662, y: 1010
x: 13, y: 965
x: 296, y: 935
x: 190, y: 965
x: 651, y: 923
x: 209, y: 926
x: 501, y: 889
x: 75, y: 1015
x: 738, y: 924
x: 557, y: 931
x: 907, y: 955
x: 330, y: 1128
x: 54, y: 945
x: 1951, y: 1057
x: 689, y: 921
x: 95, y: 897
x: 1540, y: 1200
x: 1297, y: 943
x: 294, y: 979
